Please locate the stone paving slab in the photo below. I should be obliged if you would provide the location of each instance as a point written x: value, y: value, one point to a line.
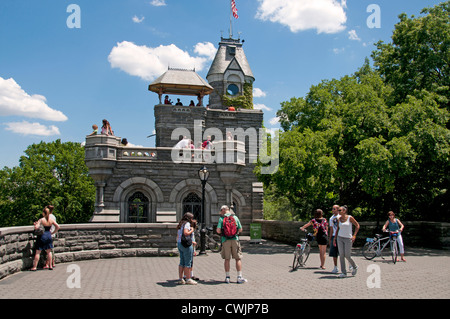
x: 267, y: 266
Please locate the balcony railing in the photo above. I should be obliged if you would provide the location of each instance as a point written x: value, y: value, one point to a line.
x: 102, y: 147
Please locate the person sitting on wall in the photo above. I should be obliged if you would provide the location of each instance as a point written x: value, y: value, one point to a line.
x: 192, y: 103
x: 106, y: 128
x: 124, y: 142
x: 179, y: 102
x: 95, y: 130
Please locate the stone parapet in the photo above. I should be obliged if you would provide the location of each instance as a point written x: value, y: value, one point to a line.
x: 87, y: 241
x: 415, y: 234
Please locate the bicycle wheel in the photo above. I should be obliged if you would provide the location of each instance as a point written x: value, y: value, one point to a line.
x: 369, y: 250
x: 214, y: 243
x: 305, y: 254
x: 394, y: 250
x: 296, y: 262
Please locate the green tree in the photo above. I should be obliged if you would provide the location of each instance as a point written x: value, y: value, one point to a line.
x: 49, y: 173
x: 345, y: 142
x: 418, y: 57
x: 385, y: 131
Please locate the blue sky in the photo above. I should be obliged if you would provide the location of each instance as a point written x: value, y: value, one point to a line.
x: 64, y: 68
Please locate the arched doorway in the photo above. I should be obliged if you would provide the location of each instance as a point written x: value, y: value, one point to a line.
x: 193, y: 203
x: 138, y: 208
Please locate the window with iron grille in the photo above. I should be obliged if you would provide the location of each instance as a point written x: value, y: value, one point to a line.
x: 138, y: 208
x: 192, y: 203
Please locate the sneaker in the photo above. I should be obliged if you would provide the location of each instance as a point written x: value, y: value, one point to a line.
x: 241, y: 280
x: 227, y: 280
x: 191, y: 282
x: 354, y: 270
x: 335, y: 270
x: 181, y: 282
x: 343, y: 275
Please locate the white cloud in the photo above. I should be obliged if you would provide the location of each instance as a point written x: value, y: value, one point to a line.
x: 149, y: 63
x: 326, y: 16
x: 261, y: 107
x: 15, y: 101
x: 27, y: 128
x: 158, y: 3
x: 205, y: 49
x: 137, y: 20
x: 353, y: 36
x: 274, y: 120
x: 338, y: 51
x: 258, y: 93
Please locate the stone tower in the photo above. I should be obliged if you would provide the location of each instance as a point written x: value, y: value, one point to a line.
x: 229, y: 72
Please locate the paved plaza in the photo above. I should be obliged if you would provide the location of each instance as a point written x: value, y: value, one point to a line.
x: 267, y: 266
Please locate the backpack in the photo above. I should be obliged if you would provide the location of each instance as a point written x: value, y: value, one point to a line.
x: 229, y: 227
x: 186, y: 241
x: 320, y: 228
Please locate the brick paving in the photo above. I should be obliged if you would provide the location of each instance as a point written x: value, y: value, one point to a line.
x: 267, y: 266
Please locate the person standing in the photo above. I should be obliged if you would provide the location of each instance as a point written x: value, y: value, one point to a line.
x: 394, y: 225
x: 345, y: 239
x: 186, y: 253
x: 44, y: 242
x: 229, y: 227
x: 52, y: 230
x: 334, y: 251
x: 320, y: 226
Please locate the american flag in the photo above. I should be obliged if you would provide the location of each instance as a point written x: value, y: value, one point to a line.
x: 234, y: 9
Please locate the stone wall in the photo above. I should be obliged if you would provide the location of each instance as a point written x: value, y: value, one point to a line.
x: 87, y: 241
x: 415, y: 234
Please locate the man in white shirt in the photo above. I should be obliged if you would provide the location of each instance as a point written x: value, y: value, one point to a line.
x: 334, y: 220
x: 184, y: 143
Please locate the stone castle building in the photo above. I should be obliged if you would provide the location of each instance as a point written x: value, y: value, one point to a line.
x: 160, y: 184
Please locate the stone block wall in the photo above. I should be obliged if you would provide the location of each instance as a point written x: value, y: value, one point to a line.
x: 87, y: 241
x: 416, y: 234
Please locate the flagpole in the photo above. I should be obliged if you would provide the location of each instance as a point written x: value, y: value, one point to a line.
x: 231, y: 16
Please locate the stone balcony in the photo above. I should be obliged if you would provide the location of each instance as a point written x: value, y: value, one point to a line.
x: 108, y: 148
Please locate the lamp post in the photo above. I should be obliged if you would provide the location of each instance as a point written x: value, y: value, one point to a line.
x: 203, y: 174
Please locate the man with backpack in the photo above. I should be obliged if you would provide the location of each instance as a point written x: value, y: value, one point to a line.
x: 229, y: 227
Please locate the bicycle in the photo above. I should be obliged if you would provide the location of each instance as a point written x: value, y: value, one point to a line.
x: 374, y: 246
x: 212, y: 240
x: 301, y: 252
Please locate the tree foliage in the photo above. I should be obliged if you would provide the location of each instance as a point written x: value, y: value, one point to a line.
x: 378, y: 139
x: 345, y: 143
x: 49, y: 173
x: 418, y: 57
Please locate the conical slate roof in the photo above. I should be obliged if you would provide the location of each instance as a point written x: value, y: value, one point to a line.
x: 223, y: 58
x: 180, y: 82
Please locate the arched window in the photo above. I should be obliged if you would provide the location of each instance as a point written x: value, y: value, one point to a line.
x: 192, y: 203
x: 138, y: 208
x: 232, y: 89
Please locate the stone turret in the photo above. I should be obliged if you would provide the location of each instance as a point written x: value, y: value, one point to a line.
x: 229, y: 72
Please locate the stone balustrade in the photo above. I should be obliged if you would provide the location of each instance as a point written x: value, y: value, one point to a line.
x: 103, y: 147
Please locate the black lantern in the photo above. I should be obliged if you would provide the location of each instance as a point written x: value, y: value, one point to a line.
x: 203, y: 174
